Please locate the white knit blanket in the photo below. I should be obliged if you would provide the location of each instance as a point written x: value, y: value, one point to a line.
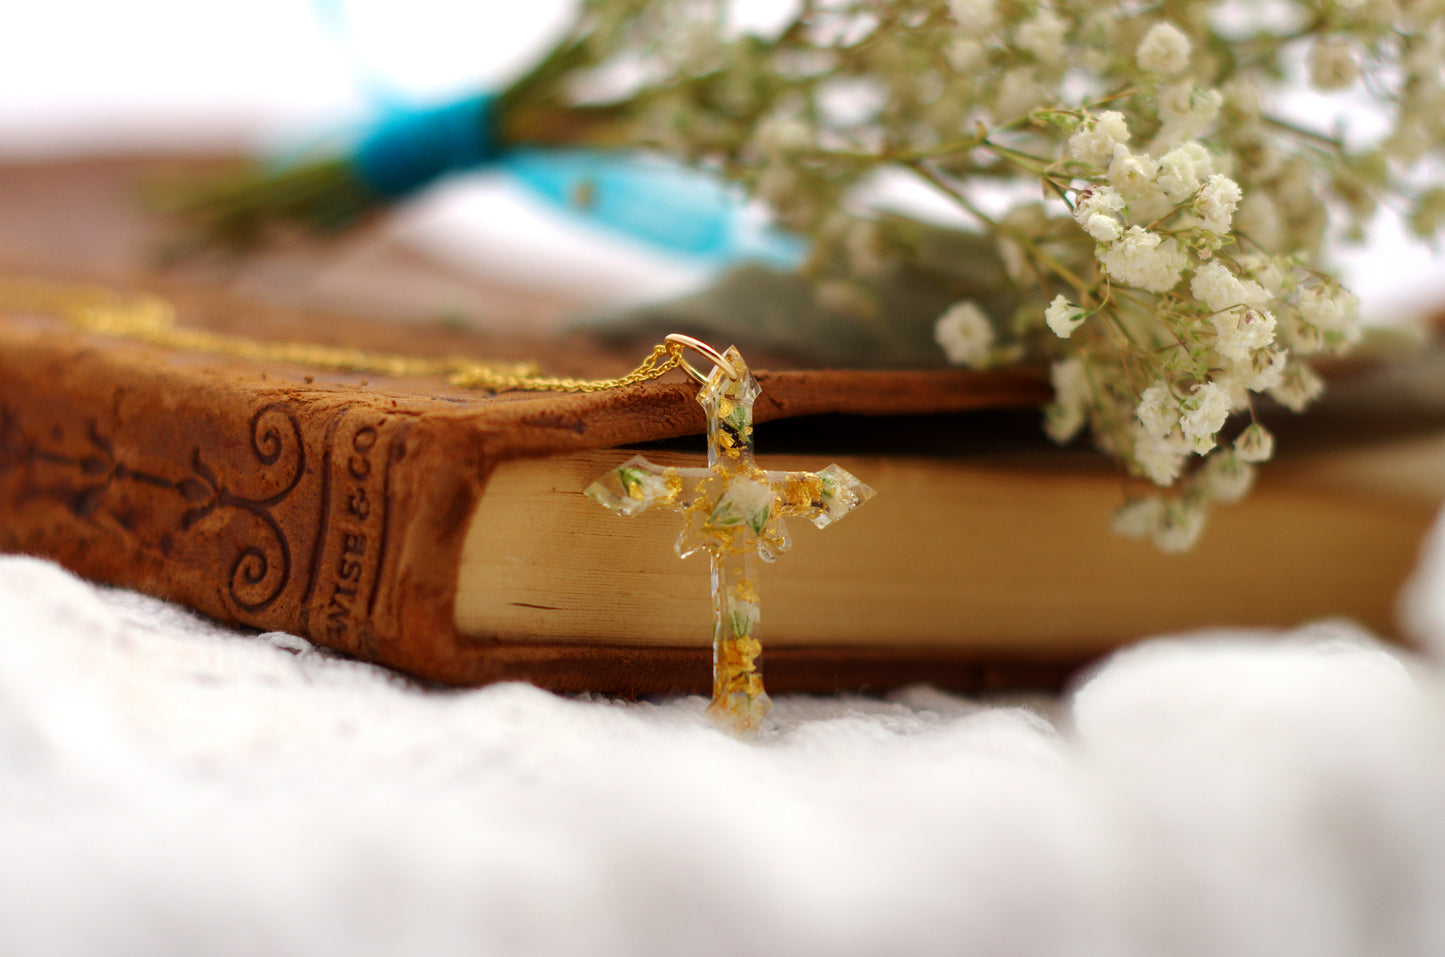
x: 171, y: 787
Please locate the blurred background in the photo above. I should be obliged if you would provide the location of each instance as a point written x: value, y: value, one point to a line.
x: 272, y: 77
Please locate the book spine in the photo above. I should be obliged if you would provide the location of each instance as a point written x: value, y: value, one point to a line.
x: 253, y: 501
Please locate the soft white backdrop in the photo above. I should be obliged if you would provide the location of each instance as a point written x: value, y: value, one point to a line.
x: 169, y: 787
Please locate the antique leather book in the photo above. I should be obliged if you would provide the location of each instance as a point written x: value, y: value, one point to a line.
x: 339, y: 505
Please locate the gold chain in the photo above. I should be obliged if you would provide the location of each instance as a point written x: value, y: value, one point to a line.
x: 149, y: 318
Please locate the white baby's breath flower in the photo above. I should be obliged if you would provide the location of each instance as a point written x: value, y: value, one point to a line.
x: 965, y: 334
x: 976, y: 17
x: 1065, y: 416
x: 1216, y: 203
x: 1186, y: 111
x: 1063, y: 317
x: 1159, y: 457
x: 1094, y: 141
x: 1216, y: 287
x: 1225, y: 477
x: 1330, y: 308
x: 1298, y: 387
x: 1043, y: 36
x: 743, y: 614
x: 1185, y: 104
x: 1174, y: 526
x: 1259, y: 220
x: 1410, y: 141
x: 1332, y: 64
x: 1137, y: 518
x: 1176, y: 101
x: 1158, y: 410
x: 1302, y: 338
x: 1015, y: 258
x: 1103, y: 228
x: 747, y: 501
x: 965, y: 54
x: 1150, y: 205
x: 1239, y: 332
x: 1296, y: 189
x: 1164, y: 49
x: 1205, y: 105
x: 1255, y: 444
x: 1144, y: 259
x: 1179, y: 526
x: 1020, y: 224
x: 1271, y: 273
x: 842, y: 492
x: 1328, y: 321
x: 1205, y: 409
x: 1113, y: 125
x: 1094, y: 209
x: 1234, y: 388
x: 1257, y: 154
x: 1263, y: 371
x: 1183, y: 170
x: 1253, y: 294
x: 1131, y: 173
x: 1242, y: 95
x: 1096, y: 199
x: 1018, y: 92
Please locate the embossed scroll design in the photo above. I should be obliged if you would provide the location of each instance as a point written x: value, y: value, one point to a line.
x: 260, y: 572
x: 262, y: 569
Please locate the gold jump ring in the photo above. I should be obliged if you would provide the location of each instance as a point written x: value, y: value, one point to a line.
x: 702, y: 348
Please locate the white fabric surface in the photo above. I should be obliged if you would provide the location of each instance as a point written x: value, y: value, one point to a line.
x: 171, y: 787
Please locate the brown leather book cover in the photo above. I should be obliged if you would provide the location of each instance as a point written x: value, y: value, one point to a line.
x: 330, y: 505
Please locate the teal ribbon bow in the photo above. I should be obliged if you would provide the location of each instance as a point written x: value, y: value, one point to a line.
x: 662, y: 203
x: 410, y: 148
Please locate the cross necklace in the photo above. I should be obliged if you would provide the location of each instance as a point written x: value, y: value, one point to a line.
x: 734, y: 511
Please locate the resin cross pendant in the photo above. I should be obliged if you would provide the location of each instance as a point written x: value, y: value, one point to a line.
x: 734, y: 511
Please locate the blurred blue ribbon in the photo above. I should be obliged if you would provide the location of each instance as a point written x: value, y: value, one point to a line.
x: 664, y: 204
x: 410, y: 148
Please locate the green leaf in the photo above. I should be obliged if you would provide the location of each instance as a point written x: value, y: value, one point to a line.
x: 740, y: 420
x: 759, y: 519
x: 631, y: 479
x: 741, y: 626
x: 723, y: 514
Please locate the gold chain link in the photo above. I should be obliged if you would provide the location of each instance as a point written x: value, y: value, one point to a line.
x: 149, y: 318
